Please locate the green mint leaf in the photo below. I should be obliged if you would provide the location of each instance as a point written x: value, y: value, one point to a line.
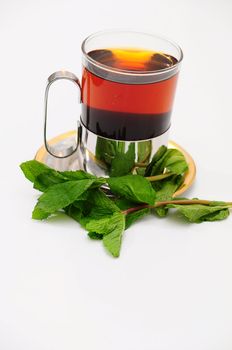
x: 216, y: 203
x: 217, y: 215
x: 40, y: 214
x: 82, y: 175
x: 112, y: 228
x: 167, y: 187
x: 98, y: 182
x: 95, y: 206
x: 105, y: 150
x: 198, y: 213
x: 156, y: 158
x: 49, y: 178
x: 76, y: 175
x: 135, y: 216
x: 113, y: 240
x: 96, y: 213
x: 125, y: 204
x: 165, y: 190
x: 171, y: 160
x: 43, y: 177
x: 113, y: 154
x: 60, y: 196
x: 161, y: 212
x: 133, y: 187
x: 96, y: 236
x: 122, y: 163
x: 79, y: 208
x: 144, y: 151
x: 120, y: 146
x: 73, y: 212
x: 99, y: 199
x: 101, y: 223
x: 175, y: 162
x: 33, y: 168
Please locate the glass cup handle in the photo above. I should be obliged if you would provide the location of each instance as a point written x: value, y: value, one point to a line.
x: 51, y: 79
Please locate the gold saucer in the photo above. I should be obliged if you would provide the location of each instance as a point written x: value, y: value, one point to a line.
x: 72, y: 164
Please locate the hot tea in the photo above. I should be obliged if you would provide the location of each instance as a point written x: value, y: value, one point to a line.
x: 132, y: 105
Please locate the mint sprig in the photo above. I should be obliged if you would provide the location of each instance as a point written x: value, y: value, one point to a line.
x: 82, y: 196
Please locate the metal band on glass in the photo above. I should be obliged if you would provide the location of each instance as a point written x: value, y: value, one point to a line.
x: 97, y: 161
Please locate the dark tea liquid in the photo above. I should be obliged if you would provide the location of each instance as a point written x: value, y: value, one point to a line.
x: 131, y: 108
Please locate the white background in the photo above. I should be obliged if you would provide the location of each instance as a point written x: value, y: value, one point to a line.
x: 171, y: 287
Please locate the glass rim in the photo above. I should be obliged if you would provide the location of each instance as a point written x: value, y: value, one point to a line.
x: 127, y: 71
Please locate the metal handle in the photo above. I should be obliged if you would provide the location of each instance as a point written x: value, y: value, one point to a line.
x: 54, y: 77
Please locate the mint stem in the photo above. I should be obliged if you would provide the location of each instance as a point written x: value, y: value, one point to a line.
x: 177, y: 201
x: 158, y: 177
x: 141, y: 165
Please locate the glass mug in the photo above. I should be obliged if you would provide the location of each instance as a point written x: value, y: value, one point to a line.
x: 127, y: 92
